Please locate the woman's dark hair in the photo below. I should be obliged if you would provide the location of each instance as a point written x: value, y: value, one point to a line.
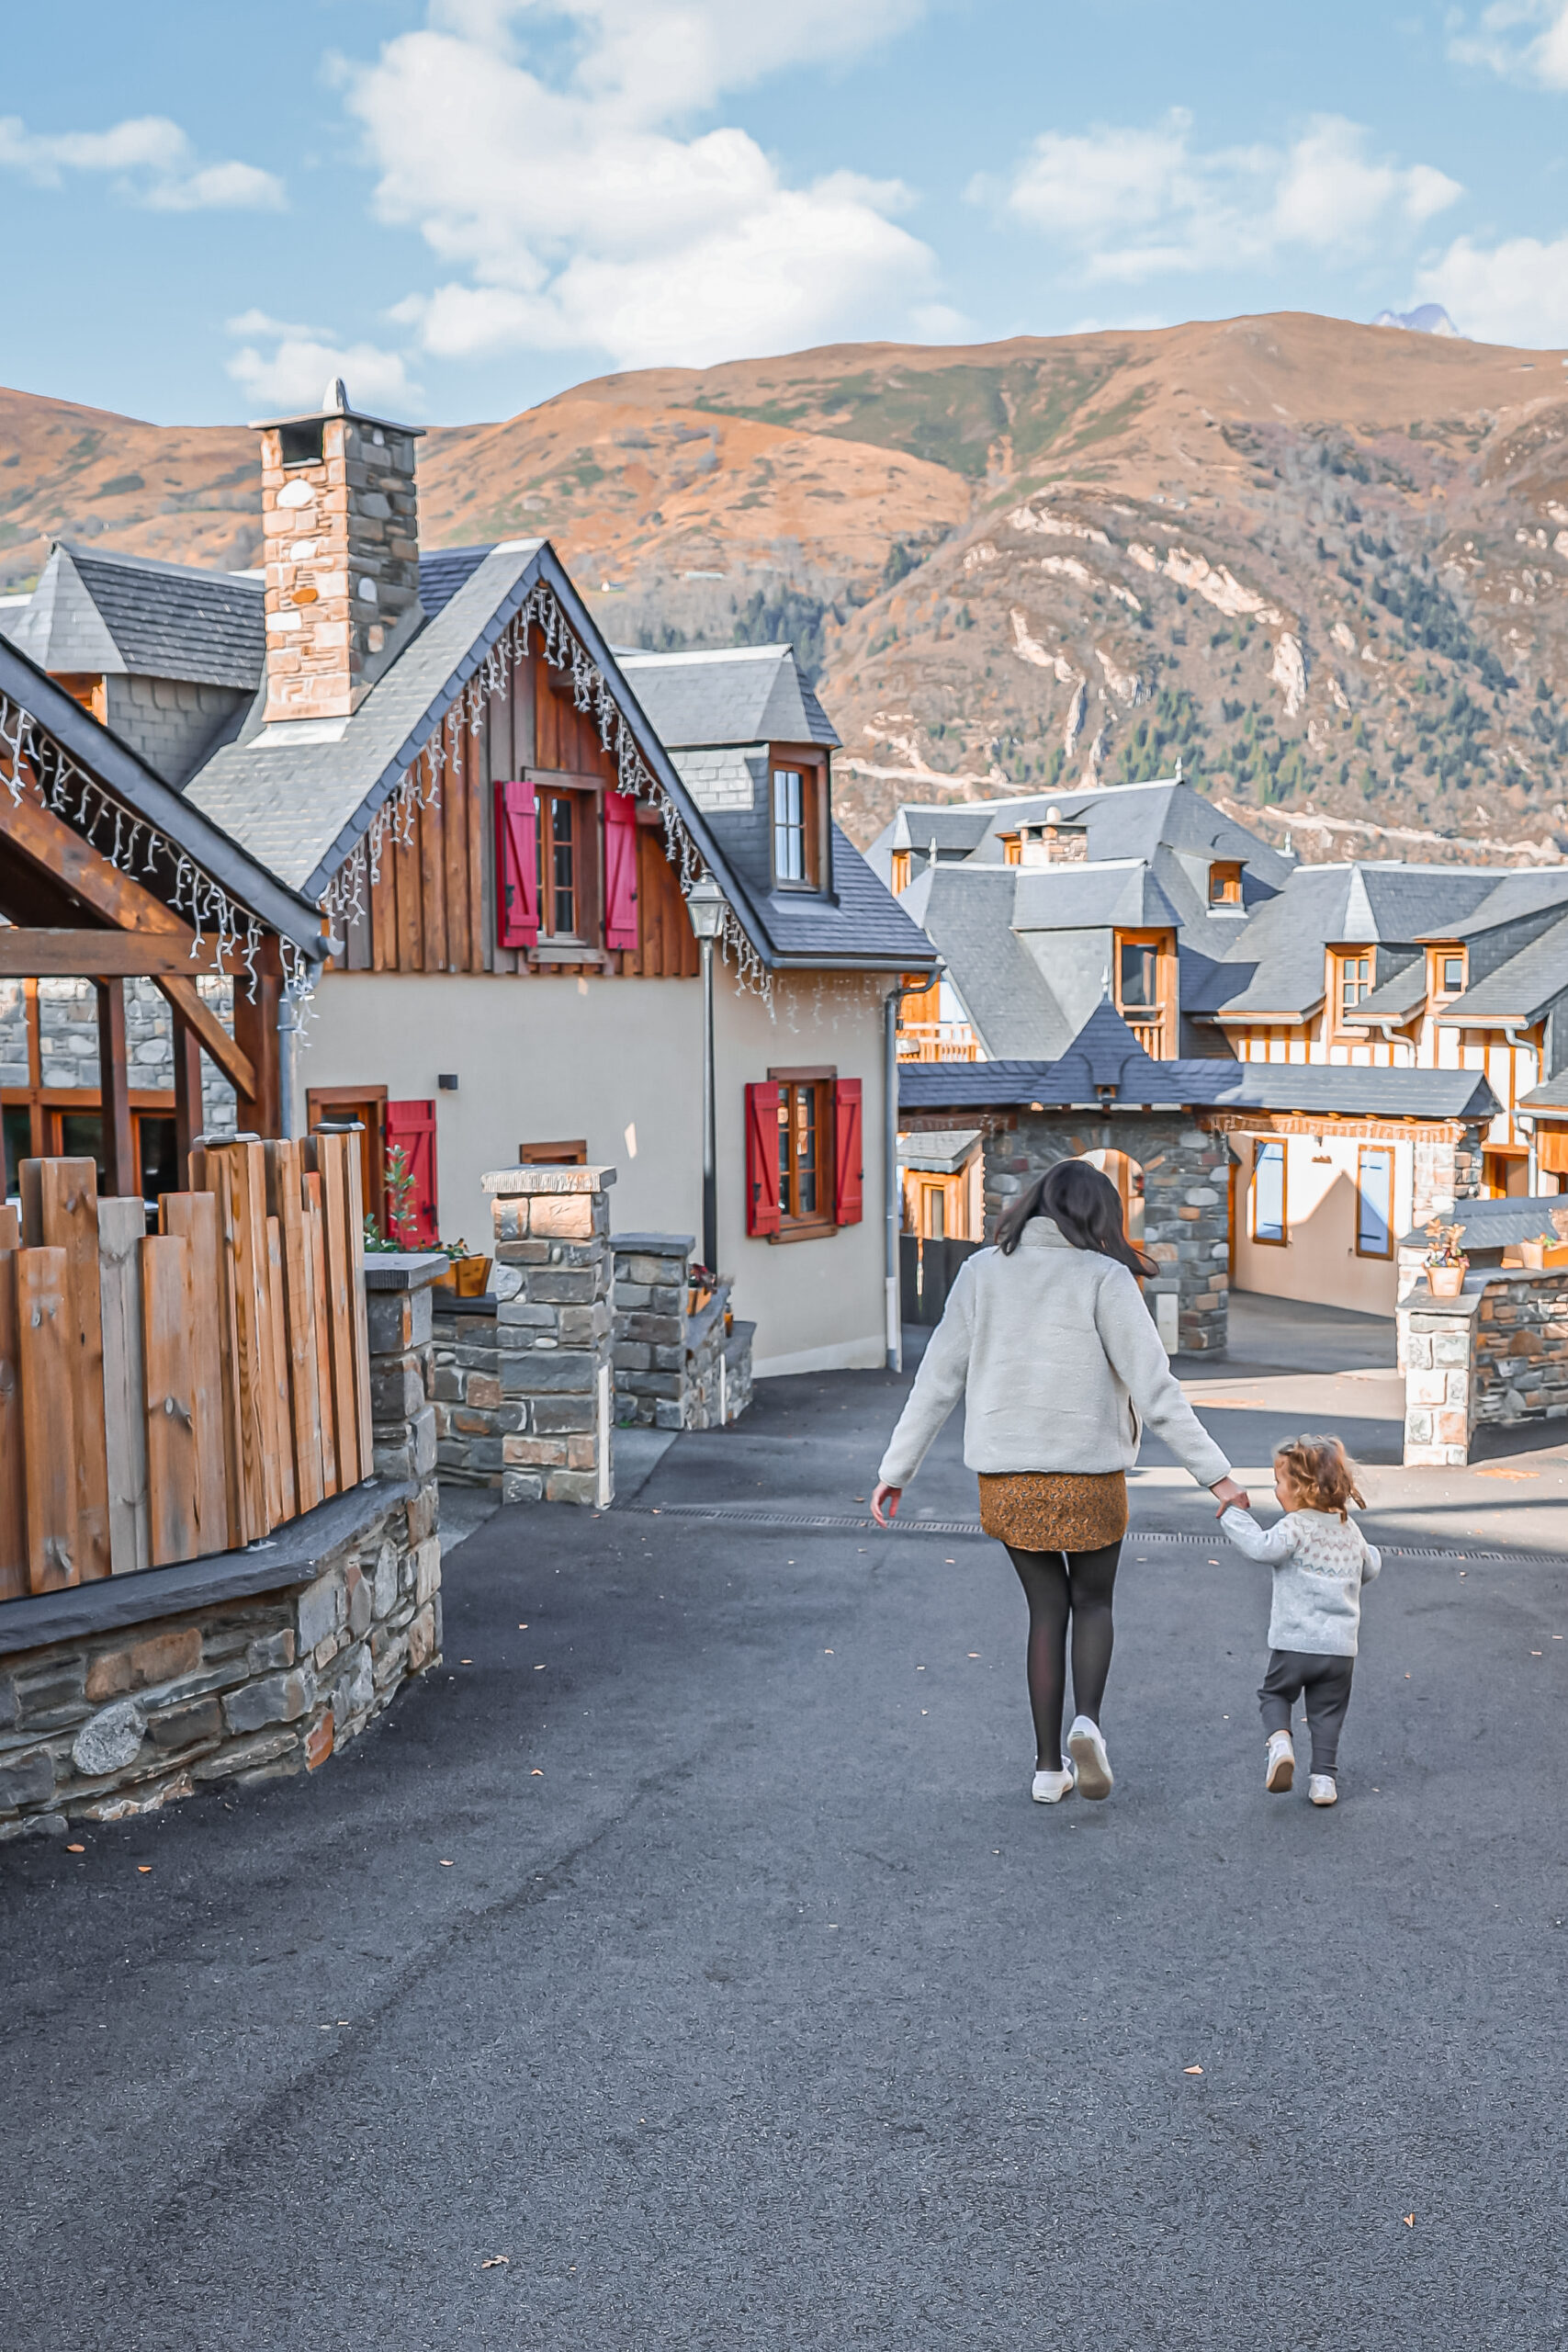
x: 1085, y: 1208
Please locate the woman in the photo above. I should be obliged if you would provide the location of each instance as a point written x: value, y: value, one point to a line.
x: 1047, y: 1339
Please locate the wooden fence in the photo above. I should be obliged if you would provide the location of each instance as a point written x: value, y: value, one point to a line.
x: 167, y: 1395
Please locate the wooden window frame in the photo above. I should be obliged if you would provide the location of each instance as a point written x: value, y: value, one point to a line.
x: 1363, y: 1153
x: 822, y: 1220
x: 580, y: 796
x: 1225, y: 871
x: 899, y: 871
x: 811, y: 765
x: 1442, y: 957
x: 1343, y: 959
x: 1163, y: 1009
x: 1281, y: 1241
x: 323, y: 1101
x: 47, y: 1106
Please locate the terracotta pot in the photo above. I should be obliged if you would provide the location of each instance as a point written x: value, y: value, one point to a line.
x: 466, y: 1278
x: 1543, y: 1254
x: 1445, y: 1282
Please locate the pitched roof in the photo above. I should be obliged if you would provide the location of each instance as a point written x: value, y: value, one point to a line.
x: 1520, y: 989
x: 965, y: 912
x: 1089, y: 898
x: 862, y: 927
x: 745, y: 694
x: 1507, y: 898
x: 1495, y: 1224
x: 123, y: 615
x: 131, y: 781
x: 1553, y: 1096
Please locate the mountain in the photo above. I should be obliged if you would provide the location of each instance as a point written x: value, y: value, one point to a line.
x: 1427, y: 317
x: 1324, y: 565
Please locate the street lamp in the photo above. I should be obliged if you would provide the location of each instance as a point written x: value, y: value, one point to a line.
x: 707, y: 905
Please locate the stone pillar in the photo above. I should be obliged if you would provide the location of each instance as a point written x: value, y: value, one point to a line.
x: 1436, y: 1348
x: 650, y: 1326
x: 403, y: 1423
x: 552, y: 1226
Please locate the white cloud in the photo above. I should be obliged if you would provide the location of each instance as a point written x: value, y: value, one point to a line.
x: 1130, y: 204
x: 1514, y: 292
x: 574, y: 207
x: 1526, y: 40
x: 152, y: 159
x: 297, y: 362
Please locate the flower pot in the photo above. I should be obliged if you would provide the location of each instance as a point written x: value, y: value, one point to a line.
x: 466, y: 1278
x: 1543, y: 1254
x: 1445, y: 1282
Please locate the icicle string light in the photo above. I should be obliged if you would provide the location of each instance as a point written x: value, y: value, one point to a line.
x: 343, y: 901
x: 31, y: 758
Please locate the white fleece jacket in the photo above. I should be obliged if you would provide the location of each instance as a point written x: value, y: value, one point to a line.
x: 1058, y: 1363
x: 1320, y: 1563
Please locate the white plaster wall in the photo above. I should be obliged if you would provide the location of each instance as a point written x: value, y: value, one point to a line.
x: 1319, y: 1264
x: 620, y: 1062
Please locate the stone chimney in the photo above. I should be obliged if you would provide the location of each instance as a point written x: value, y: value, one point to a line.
x: 342, y: 525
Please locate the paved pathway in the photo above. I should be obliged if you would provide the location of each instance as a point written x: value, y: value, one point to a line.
x: 688, y: 1951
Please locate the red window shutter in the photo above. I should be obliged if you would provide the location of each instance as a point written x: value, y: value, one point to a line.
x: 411, y: 1126
x: 517, y: 864
x: 848, y: 1152
x: 763, y: 1158
x: 620, y: 871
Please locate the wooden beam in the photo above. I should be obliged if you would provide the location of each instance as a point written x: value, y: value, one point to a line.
x: 122, y: 1174
x: 189, y: 1115
x: 99, y: 954
x: 256, y: 1033
x: 198, y: 1016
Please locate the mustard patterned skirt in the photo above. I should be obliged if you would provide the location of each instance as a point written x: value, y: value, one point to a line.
x: 1055, y: 1510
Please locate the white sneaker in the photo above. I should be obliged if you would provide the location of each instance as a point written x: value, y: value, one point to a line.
x: 1324, y: 1788
x: 1091, y: 1762
x: 1050, y: 1787
x: 1282, y: 1769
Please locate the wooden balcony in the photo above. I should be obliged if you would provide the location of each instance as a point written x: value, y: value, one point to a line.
x: 937, y: 1041
x: 1148, y: 1025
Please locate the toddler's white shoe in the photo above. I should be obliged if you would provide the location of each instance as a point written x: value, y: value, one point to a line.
x: 1324, y: 1788
x: 1090, y: 1763
x: 1050, y: 1787
x: 1282, y: 1765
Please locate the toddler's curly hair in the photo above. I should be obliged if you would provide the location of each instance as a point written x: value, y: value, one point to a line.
x: 1321, y: 1472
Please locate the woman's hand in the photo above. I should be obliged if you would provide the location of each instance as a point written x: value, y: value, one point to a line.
x: 891, y: 1497
x: 1228, y: 1492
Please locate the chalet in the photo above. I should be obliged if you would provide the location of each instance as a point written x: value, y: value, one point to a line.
x: 440, y: 752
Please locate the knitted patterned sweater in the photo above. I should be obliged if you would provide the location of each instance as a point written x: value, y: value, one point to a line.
x: 1320, y: 1563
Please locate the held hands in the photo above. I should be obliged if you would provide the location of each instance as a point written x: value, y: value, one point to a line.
x: 890, y: 1496
x: 1228, y: 1492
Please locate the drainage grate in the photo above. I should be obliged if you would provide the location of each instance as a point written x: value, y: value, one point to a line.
x: 809, y: 1522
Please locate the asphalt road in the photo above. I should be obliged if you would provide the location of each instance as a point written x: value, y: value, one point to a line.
x: 688, y: 1951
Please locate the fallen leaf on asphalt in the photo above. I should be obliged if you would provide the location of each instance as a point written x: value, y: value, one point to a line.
x: 536, y: 1774
x: 1192, y: 2069
x: 1498, y: 1470
x: 973, y: 1653
x: 144, y: 1870
x: 522, y: 1629
x: 465, y: 1661
x: 827, y: 1653
x: 82, y: 1849
x: 447, y: 1866
x: 1410, y: 2220
x: 496, y: 2262
x: 1538, y: 1653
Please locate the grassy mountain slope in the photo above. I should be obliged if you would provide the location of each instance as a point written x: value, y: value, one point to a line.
x: 1326, y: 566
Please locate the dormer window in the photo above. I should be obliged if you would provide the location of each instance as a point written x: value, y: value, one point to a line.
x: 1225, y: 885
x: 797, y: 809
x: 1451, y: 972
x: 1355, y: 982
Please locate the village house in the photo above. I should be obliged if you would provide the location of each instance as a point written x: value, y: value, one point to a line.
x: 441, y: 752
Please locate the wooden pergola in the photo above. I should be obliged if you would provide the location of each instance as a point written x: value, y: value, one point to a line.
x: 107, y: 875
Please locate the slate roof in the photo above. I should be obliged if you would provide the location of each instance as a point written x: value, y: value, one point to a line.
x: 1089, y: 898
x: 1508, y: 898
x: 1276, y: 965
x: 860, y: 927
x: 1097, y: 1058
x: 1520, y: 989
x: 123, y: 615
x: 1495, y: 1224
x: 132, y: 781
x: 964, y: 911
x: 747, y: 693
x: 1394, y: 998
x: 1553, y: 1096
x: 443, y: 571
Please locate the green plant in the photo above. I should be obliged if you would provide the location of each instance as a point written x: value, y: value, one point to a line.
x: 1443, y: 1244
x: 400, y: 1234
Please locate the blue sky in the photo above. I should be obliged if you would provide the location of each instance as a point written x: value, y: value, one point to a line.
x: 464, y: 206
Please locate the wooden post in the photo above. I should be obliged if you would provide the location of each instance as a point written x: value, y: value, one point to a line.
x: 192, y: 1218
x: 320, y: 1313
x: 172, y: 1449
x: 45, y: 1348
x: 121, y: 1224
x: 13, y: 1443
x: 256, y: 1033
x: 122, y: 1174
x: 189, y: 1115
x: 284, y: 1200
x: 60, y: 1211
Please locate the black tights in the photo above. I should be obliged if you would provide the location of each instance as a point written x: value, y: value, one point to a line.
x: 1058, y: 1585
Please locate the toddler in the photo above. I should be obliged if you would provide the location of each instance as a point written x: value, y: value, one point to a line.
x: 1320, y: 1561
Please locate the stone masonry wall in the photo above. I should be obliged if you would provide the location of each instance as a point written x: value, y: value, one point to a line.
x: 1498, y: 1356
x: 651, y: 1277
x: 68, y: 1035
x: 1186, y: 1202
x: 472, y: 1416
x: 552, y: 1227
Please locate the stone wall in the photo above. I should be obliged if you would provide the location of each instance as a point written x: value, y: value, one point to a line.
x: 552, y: 1228
x: 68, y: 1037
x: 472, y: 1416
x: 674, y: 1370
x: 1498, y: 1356
x: 120, y: 1696
x: 1186, y: 1205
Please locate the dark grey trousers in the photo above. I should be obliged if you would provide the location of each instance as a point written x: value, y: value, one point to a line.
x: 1326, y: 1684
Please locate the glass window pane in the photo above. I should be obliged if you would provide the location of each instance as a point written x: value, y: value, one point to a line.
x: 1377, y: 1203
x: 18, y: 1141
x: 786, y: 1197
x: 159, y: 1155
x: 1137, y: 976
x: 1453, y: 973
x: 82, y: 1138
x: 1269, y: 1193
x: 806, y: 1148
x: 789, y: 829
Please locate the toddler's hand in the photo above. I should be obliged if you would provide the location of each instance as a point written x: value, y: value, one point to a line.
x: 890, y: 1496
x: 1228, y: 1492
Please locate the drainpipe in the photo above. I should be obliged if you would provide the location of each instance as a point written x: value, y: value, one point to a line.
x: 289, y: 1066
x: 1524, y: 1044
x: 892, y: 1005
